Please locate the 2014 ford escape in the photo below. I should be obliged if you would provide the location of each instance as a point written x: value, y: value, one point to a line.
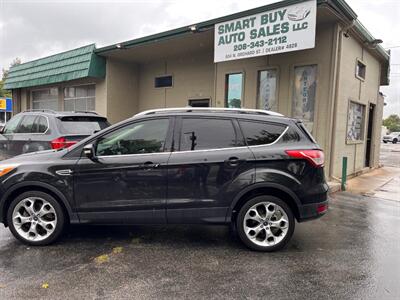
x: 255, y: 170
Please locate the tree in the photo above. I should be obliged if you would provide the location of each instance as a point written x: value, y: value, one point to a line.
x: 3, y: 92
x: 392, y: 123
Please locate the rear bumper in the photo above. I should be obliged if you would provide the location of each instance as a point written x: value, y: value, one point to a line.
x: 313, y: 211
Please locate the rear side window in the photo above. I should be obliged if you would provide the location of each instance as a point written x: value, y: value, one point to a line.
x: 261, y: 133
x: 207, y: 133
x: 40, y: 125
x: 26, y: 125
x: 81, y: 125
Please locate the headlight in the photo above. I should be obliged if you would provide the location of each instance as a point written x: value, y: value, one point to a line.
x: 4, y: 169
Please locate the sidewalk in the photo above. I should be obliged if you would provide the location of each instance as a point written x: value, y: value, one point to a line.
x: 382, y: 183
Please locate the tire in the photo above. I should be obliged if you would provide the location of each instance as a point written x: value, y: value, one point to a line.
x: 394, y: 141
x: 385, y: 142
x: 36, y: 218
x: 274, y: 232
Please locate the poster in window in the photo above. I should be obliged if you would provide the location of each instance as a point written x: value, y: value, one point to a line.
x: 267, y: 90
x: 355, y: 121
x: 305, y: 87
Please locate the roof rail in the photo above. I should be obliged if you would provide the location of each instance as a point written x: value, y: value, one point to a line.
x: 209, y: 109
x: 41, y: 110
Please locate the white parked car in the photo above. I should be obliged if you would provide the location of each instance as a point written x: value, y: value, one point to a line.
x: 394, y: 137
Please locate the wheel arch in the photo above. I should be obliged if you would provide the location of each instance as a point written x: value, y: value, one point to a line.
x: 20, y: 188
x: 271, y: 189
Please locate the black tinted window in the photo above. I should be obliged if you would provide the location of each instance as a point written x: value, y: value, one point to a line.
x: 26, y: 125
x: 163, y: 81
x: 260, y: 133
x: 141, y: 137
x: 81, y: 125
x: 198, y: 134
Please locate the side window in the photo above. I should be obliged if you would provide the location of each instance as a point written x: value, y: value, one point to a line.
x: 260, y: 133
x: 11, y: 125
x: 26, y: 125
x: 207, y: 133
x: 40, y: 125
x: 141, y: 137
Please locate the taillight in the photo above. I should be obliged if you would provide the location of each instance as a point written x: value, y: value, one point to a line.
x: 322, y: 208
x: 315, y: 157
x: 61, y: 142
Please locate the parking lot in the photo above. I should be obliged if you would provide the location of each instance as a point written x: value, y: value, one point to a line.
x: 352, y: 252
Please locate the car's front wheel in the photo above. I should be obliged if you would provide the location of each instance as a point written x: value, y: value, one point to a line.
x: 265, y: 223
x: 35, y: 218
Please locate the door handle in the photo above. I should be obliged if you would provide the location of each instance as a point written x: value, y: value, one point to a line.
x: 148, y: 165
x: 233, y: 161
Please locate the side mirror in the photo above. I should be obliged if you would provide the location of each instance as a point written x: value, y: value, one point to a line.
x: 89, y: 151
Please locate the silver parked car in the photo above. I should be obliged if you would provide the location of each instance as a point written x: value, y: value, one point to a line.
x: 394, y: 137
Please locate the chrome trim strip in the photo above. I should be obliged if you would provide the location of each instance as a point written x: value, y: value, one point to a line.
x: 66, y: 172
x: 127, y: 155
x: 274, y: 142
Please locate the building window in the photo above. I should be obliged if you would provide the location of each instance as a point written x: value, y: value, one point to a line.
x: 305, y: 87
x: 79, y: 98
x: 45, y: 99
x: 267, y: 90
x: 199, y: 102
x: 355, y: 122
x: 163, y: 81
x: 234, y: 90
x: 360, y: 70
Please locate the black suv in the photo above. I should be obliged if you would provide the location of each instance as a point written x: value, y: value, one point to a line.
x: 38, y: 130
x: 253, y: 169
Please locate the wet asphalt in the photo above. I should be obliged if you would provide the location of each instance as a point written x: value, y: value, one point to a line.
x: 352, y: 252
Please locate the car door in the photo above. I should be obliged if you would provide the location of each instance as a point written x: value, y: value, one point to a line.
x: 127, y: 180
x: 207, y: 170
x: 7, y: 135
x: 19, y: 141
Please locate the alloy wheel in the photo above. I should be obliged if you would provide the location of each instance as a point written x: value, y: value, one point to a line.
x: 266, y: 224
x: 34, y: 218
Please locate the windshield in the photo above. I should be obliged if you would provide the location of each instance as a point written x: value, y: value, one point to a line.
x: 395, y: 133
x: 82, y: 125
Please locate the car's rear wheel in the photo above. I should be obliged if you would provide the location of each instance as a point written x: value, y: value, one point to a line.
x: 265, y: 223
x: 394, y: 141
x: 35, y: 218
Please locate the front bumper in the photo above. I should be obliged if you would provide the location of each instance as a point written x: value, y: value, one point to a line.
x: 313, y: 211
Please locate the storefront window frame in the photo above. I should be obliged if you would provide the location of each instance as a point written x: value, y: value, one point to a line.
x: 31, y: 101
x: 292, y: 90
x: 363, y: 123
x: 242, y: 104
x: 64, y: 98
x: 276, y: 68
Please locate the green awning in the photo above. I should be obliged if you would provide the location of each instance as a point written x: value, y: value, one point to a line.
x: 74, y: 64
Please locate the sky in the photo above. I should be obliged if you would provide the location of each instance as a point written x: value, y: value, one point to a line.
x: 31, y: 29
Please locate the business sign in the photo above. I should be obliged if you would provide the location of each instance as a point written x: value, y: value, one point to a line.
x: 6, y: 104
x: 285, y: 29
